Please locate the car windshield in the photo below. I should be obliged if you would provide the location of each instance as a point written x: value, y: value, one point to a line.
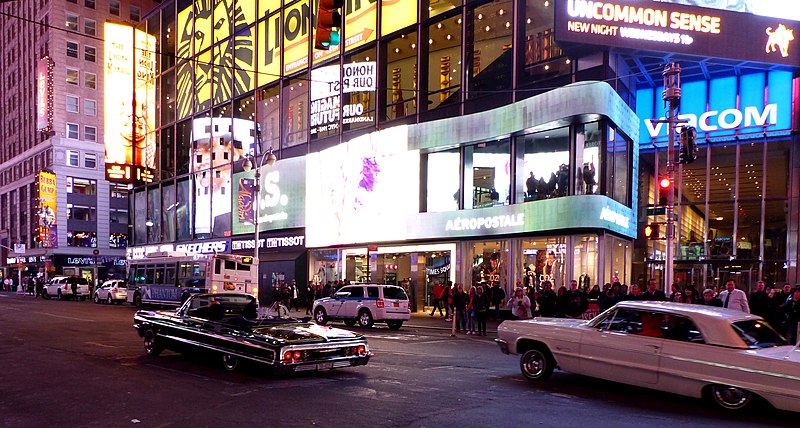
x: 394, y: 293
x: 758, y: 334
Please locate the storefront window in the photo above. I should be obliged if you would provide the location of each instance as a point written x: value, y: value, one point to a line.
x: 545, y: 164
x: 618, y: 162
x: 295, y: 104
x: 401, y: 76
x: 584, y: 263
x: 117, y: 240
x: 618, y: 253
x: 491, y: 173
x: 324, y: 266
x: 443, y: 174
x: 184, y: 211
x: 81, y: 239
x: 269, y: 116
x: 492, y: 49
x: 490, y: 264
x: 587, y: 151
x: 444, y: 62
x: 543, y: 259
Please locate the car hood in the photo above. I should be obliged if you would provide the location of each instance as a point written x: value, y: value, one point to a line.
x: 304, y: 332
x: 785, y: 353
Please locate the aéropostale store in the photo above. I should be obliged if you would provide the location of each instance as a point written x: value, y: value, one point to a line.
x: 541, y: 189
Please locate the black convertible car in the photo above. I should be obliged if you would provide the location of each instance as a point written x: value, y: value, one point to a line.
x: 229, y: 325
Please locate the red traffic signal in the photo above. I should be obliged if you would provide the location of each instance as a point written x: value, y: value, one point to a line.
x: 329, y: 18
x: 664, y: 187
x: 664, y: 183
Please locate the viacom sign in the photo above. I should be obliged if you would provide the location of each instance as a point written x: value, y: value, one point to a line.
x: 729, y: 107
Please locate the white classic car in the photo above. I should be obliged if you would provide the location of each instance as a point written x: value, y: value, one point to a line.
x: 698, y: 351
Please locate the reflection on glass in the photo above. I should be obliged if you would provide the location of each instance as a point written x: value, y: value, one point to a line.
x: 184, y: 211
x: 491, y: 174
x: 140, y: 216
x: 546, y: 164
x: 295, y: 108
x: 168, y: 210
x: 587, y: 149
x: 401, y: 76
x: 154, y: 214
x: 443, y: 180
x: 269, y: 116
x: 618, y: 186
x: 444, y: 59
x: 492, y: 52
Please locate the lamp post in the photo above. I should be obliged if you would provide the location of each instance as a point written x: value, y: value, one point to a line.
x: 249, y: 163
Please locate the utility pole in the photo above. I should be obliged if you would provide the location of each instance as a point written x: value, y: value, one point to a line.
x: 672, y: 98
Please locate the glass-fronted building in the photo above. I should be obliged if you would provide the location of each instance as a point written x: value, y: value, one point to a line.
x: 477, y: 142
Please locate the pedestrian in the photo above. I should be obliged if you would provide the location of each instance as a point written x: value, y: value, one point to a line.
x: 74, y: 282
x: 447, y: 299
x: 460, y: 307
x: 481, y: 305
x: 438, y: 292
x: 471, y: 311
x: 734, y: 298
x: 653, y: 293
x: 709, y: 299
x: 577, y: 302
x: 310, y: 296
x: 792, y: 310
x: 498, y: 298
x: 295, y: 301
x: 520, y: 305
x: 31, y: 286
x: 759, y: 300
x: 547, y: 300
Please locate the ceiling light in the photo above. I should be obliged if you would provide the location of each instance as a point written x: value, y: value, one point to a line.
x: 439, y: 25
x: 480, y: 16
x: 487, y: 28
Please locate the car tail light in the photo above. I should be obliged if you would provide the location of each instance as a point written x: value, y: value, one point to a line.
x: 287, y: 356
x: 380, y: 303
x: 114, y: 290
x: 66, y: 287
x: 297, y: 355
x: 362, y: 350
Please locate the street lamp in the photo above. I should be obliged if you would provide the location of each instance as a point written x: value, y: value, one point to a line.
x: 248, y: 164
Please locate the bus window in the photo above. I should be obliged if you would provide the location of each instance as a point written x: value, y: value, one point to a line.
x: 196, y: 269
x: 170, y: 276
x: 159, y: 275
x: 149, y: 273
x: 200, y: 269
x: 217, y: 264
x: 230, y: 265
x: 185, y: 270
x: 243, y: 268
x: 132, y: 275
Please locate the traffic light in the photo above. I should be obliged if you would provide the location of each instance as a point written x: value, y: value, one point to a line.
x: 688, y: 151
x: 651, y: 231
x: 664, y: 187
x: 329, y: 21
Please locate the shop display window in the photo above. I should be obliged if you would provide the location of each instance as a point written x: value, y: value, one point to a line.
x: 295, y: 100
x: 490, y: 263
x: 442, y: 188
x: 490, y: 173
x: 81, y: 239
x: 543, y: 259
x: 492, y: 54
x: 444, y: 62
x: 545, y: 166
x: 401, y: 76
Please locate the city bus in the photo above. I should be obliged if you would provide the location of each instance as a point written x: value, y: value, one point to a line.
x: 168, y: 278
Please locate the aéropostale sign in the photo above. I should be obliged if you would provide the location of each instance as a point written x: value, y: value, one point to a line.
x: 667, y: 27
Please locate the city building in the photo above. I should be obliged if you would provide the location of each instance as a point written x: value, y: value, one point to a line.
x: 58, y: 213
x: 478, y: 142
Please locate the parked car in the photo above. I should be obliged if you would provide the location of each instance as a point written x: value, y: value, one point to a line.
x: 728, y: 356
x: 228, y: 325
x: 112, y: 291
x: 61, y: 287
x: 364, y: 304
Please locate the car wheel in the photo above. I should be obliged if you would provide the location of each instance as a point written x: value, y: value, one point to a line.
x: 320, y: 316
x: 394, y: 325
x: 96, y: 298
x: 730, y: 397
x: 152, y: 344
x: 536, y: 364
x: 349, y: 322
x: 365, y: 319
x: 45, y: 295
x: 230, y: 362
x: 137, y: 300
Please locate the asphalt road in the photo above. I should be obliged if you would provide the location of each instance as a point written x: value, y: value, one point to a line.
x: 79, y: 364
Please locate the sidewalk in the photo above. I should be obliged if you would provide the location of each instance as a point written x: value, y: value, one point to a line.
x: 422, y: 320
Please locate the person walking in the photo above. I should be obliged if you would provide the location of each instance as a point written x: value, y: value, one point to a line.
x: 481, y: 305
x: 438, y: 292
x: 310, y: 296
x: 470, y: 300
x: 734, y: 298
x: 447, y: 300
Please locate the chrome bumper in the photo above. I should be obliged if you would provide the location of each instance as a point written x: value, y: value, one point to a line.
x: 503, y: 345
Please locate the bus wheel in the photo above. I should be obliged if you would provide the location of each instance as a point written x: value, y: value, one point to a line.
x: 137, y: 300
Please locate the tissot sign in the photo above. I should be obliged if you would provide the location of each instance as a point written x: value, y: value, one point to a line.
x: 677, y: 28
x: 734, y: 106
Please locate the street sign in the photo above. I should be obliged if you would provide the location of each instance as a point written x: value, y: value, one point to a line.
x: 656, y: 211
x: 19, y: 248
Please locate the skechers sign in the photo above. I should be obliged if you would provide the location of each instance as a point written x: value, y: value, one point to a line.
x: 723, y: 108
x: 667, y: 27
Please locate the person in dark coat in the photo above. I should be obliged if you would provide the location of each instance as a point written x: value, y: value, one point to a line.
x: 709, y: 299
x: 653, y: 293
x: 547, y: 300
x: 792, y: 310
x: 481, y: 306
x: 759, y: 300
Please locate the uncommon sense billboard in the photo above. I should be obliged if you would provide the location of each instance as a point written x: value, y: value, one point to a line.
x: 668, y: 27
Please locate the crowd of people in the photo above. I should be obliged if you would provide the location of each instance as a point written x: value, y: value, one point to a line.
x: 779, y: 306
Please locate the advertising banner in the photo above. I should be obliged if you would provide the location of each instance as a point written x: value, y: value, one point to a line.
x: 325, y: 98
x: 44, y: 94
x: 678, y: 28
x: 48, y: 233
x: 282, y: 197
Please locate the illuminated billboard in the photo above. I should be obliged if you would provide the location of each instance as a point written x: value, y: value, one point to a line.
x: 47, y: 228
x: 218, y: 149
x: 364, y: 190
x: 44, y: 94
x: 282, y: 197
x: 325, y: 98
x: 130, y: 145
x: 773, y: 8
x: 678, y: 28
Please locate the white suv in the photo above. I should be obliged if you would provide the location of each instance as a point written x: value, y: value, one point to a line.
x: 365, y: 304
x: 61, y: 287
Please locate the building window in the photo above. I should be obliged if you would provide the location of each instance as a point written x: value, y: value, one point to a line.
x: 118, y: 216
x: 81, y: 239
x: 113, y: 7
x: 90, y: 107
x: 72, y: 22
x: 89, y: 27
x: 117, y: 240
x: 401, y: 76
x: 82, y: 186
x: 491, y: 178
x: 119, y: 191
x: 72, y: 77
x: 443, y: 175
x: 72, y: 158
x: 89, y: 53
x: 90, y: 133
x: 72, y: 104
x: 72, y: 49
x: 72, y: 132
x: 545, y: 165
x: 135, y: 13
x: 81, y: 212
x: 90, y: 80
x: 90, y: 159
x: 89, y: 4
